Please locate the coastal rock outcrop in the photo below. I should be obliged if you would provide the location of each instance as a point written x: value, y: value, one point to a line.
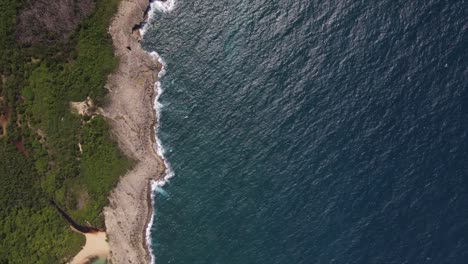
x: 132, y: 117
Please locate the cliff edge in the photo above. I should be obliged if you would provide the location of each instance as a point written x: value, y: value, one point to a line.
x: 131, y: 115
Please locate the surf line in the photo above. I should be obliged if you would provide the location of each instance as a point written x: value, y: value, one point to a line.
x: 164, y: 6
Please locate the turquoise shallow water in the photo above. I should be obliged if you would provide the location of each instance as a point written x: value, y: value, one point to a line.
x: 313, y: 132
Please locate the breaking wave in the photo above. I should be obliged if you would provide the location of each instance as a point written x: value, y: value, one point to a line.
x: 161, y: 6
x: 157, y: 186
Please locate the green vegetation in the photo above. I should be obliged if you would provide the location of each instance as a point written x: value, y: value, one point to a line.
x: 40, y: 157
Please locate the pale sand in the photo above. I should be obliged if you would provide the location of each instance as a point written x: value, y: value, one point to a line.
x: 96, y: 246
x: 83, y: 108
x: 131, y: 115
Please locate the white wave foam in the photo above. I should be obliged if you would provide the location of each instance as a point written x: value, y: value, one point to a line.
x: 150, y: 224
x: 156, y: 186
x: 157, y: 108
x: 144, y: 28
x: 161, y: 191
x: 164, y: 6
x: 161, y: 6
x: 158, y: 58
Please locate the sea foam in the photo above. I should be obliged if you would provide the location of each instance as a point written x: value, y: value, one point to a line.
x: 157, y: 186
x: 164, y: 6
x: 161, y: 6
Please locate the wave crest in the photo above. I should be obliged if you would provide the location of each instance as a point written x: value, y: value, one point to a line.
x: 156, y: 186
x: 160, y: 5
x: 164, y: 6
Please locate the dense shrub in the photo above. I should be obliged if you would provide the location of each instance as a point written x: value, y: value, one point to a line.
x: 40, y: 158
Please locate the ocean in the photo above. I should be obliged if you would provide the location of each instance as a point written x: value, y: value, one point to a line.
x: 312, y: 131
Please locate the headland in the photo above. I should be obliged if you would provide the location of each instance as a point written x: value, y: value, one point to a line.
x: 132, y: 117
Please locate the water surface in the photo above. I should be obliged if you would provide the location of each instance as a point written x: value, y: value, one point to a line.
x: 313, y: 132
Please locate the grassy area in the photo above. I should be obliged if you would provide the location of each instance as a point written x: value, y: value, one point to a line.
x: 40, y: 158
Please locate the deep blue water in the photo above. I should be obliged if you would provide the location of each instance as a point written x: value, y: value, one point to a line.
x: 307, y: 131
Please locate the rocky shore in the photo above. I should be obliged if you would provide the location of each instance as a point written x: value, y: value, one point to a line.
x: 131, y: 115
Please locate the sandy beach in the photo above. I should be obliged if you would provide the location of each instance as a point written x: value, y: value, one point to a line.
x: 131, y: 115
x: 96, y: 247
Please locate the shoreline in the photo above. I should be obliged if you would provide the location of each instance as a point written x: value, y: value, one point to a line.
x: 131, y: 114
x: 96, y: 247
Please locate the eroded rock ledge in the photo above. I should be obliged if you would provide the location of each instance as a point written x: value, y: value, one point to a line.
x: 131, y: 114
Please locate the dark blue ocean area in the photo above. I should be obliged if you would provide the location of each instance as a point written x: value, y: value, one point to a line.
x: 313, y: 131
